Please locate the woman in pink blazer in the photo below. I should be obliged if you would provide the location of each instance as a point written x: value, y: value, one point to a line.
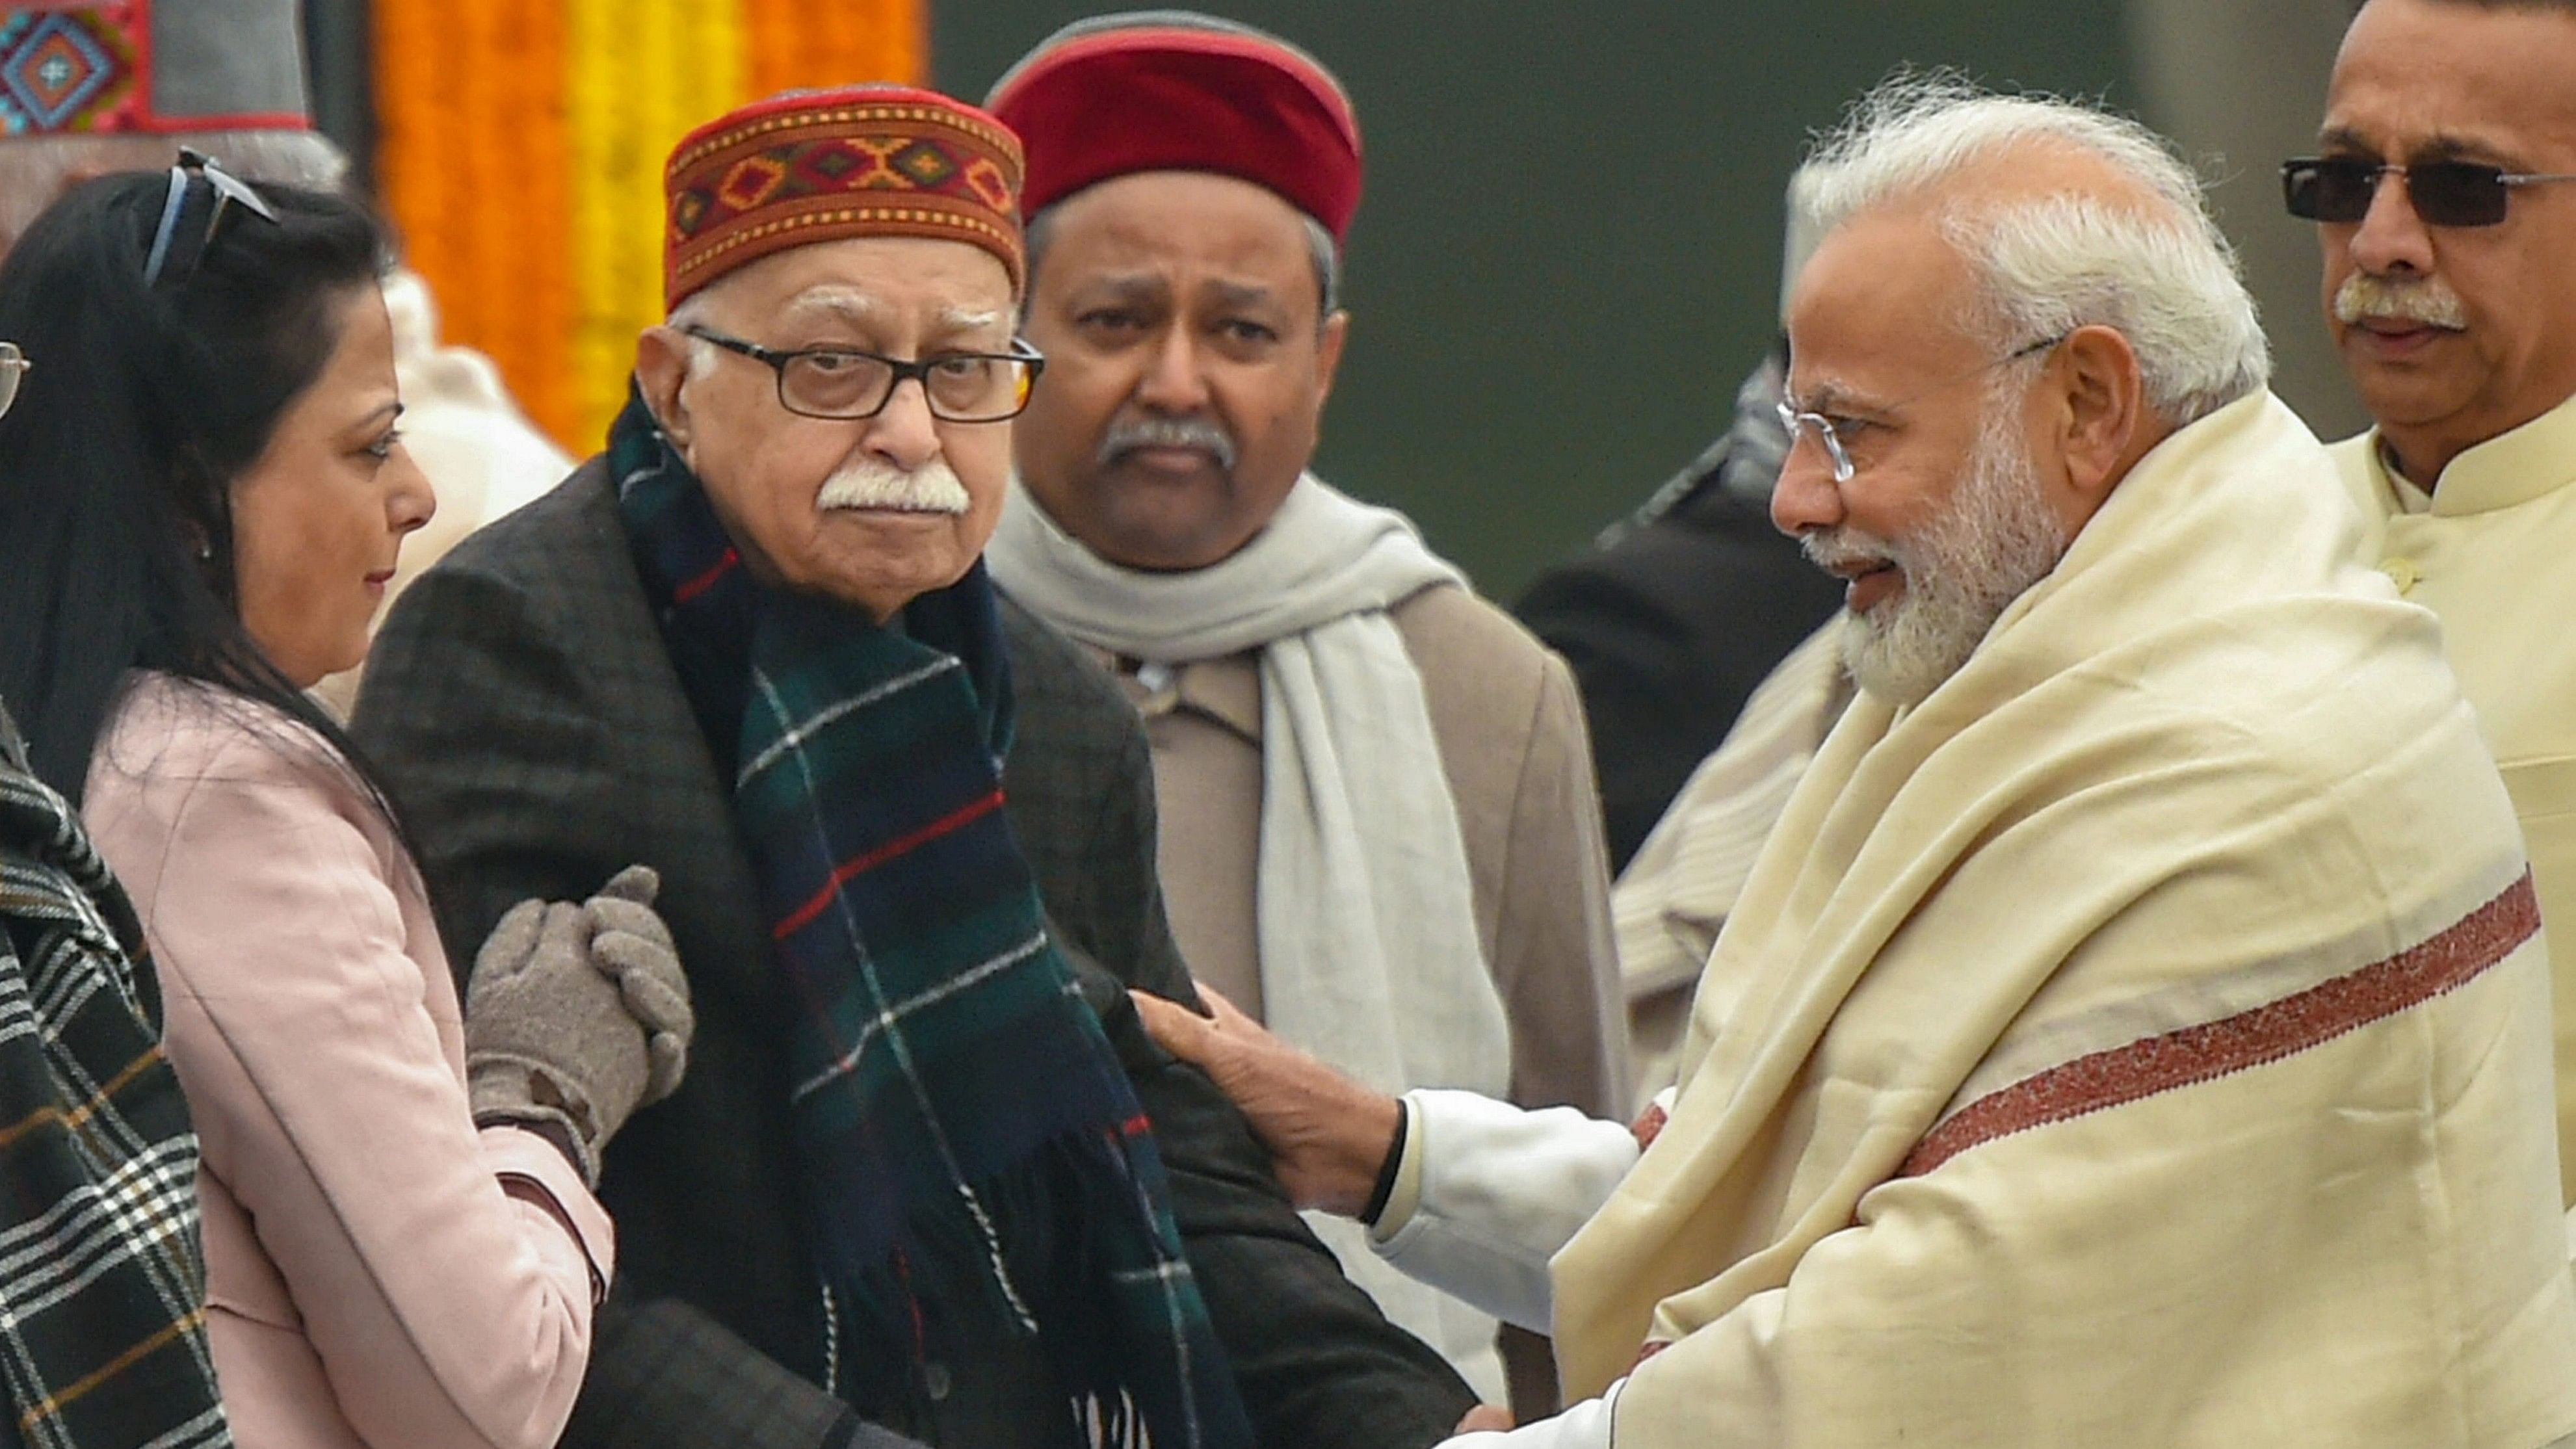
x: 203, y: 505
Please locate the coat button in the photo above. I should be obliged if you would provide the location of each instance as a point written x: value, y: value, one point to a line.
x: 2403, y: 573
x: 934, y: 1382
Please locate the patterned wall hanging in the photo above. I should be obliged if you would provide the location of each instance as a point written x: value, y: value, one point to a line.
x: 520, y: 153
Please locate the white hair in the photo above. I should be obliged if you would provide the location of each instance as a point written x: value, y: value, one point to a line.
x: 2163, y: 276
x: 694, y: 311
x: 35, y: 171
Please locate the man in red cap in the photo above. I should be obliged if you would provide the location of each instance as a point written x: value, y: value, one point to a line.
x: 1381, y: 832
x: 927, y: 1176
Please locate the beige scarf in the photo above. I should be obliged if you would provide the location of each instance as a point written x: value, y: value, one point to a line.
x: 1370, y: 956
x: 2141, y: 1042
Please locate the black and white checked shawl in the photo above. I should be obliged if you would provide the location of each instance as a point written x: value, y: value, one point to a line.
x: 102, y: 1273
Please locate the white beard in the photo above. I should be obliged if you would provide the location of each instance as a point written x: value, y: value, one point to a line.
x: 865, y: 482
x: 1962, y: 569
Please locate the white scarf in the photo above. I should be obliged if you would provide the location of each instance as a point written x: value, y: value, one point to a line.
x: 1366, y: 918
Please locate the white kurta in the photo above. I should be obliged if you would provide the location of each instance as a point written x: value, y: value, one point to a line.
x: 2493, y: 552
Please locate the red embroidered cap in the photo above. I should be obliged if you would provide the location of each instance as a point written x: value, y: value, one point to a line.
x: 1170, y: 90
x: 152, y: 66
x: 817, y: 166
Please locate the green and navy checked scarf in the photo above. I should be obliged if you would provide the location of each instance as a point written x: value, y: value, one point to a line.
x: 974, y: 1163
x: 102, y: 1273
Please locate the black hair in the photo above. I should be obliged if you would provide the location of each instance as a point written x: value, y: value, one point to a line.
x: 142, y: 407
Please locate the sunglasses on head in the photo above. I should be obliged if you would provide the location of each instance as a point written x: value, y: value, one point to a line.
x: 173, y: 259
x: 2340, y: 189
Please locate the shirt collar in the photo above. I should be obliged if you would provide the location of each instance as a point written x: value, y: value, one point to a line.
x: 2505, y: 470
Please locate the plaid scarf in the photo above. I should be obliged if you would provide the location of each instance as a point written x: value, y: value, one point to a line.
x: 974, y: 1164
x: 102, y: 1276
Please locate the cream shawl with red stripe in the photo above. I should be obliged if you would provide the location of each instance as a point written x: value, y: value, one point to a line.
x: 2141, y: 1042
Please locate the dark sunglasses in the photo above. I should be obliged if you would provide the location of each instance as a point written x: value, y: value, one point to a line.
x: 2340, y: 189
x: 173, y: 257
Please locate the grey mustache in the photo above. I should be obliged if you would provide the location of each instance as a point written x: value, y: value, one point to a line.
x: 2430, y: 302
x: 1199, y: 433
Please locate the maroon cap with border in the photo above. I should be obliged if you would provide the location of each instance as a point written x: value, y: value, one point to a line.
x: 1171, y: 90
x: 816, y: 166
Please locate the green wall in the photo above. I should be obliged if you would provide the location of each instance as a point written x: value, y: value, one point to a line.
x: 1569, y: 248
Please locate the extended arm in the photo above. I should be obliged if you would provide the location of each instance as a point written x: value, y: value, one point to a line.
x: 1486, y: 1193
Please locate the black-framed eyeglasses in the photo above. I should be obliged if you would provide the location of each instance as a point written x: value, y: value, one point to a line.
x: 175, y: 254
x: 1833, y: 434
x: 2340, y: 189
x: 845, y: 384
x: 13, y: 370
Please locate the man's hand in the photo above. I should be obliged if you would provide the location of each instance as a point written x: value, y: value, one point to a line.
x: 1327, y: 1134
x: 1485, y: 1419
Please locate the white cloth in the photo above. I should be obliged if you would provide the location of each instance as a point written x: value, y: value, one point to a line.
x: 1584, y: 1426
x: 1366, y: 913
x: 1492, y: 1192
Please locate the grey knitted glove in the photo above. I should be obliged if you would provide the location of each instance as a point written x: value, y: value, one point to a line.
x: 631, y: 944
x: 576, y: 1015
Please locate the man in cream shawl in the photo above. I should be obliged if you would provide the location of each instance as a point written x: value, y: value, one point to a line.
x: 2461, y: 339
x: 1379, y: 827
x: 2135, y: 1034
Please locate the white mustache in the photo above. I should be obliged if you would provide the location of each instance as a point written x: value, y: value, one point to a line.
x: 867, y: 483
x: 1832, y: 549
x: 2429, y: 302
x: 1200, y: 433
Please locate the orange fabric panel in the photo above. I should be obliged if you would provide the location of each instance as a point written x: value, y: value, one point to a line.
x: 473, y: 161
x: 799, y: 43
x: 514, y: 134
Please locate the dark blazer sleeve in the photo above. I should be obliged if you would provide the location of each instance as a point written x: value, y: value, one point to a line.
x: 458, y: 666
x: 664, y: 1375
x: 1319, y: 1366
x: 463, y: 662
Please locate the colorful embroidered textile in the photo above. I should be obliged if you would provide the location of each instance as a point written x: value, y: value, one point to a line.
x: 160, y: 66
x: 102, y: 1275
x: 1170, y: 90
x: 813, y: 166
x: 2142, y: 1041
x: 974, y: 1161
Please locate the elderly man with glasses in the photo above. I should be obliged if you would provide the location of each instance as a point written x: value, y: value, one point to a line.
x: 2445, y: 203
x: 928, y: 1176
x: 2133, y: 1035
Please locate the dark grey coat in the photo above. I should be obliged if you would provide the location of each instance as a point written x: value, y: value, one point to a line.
x: 521, y: 708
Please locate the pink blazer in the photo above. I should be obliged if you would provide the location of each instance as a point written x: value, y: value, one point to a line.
x: 371, y: 1280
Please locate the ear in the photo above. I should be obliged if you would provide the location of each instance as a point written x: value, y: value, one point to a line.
x: 662, y: 370
x: 2098, y: 404
x: 1329, y: 338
